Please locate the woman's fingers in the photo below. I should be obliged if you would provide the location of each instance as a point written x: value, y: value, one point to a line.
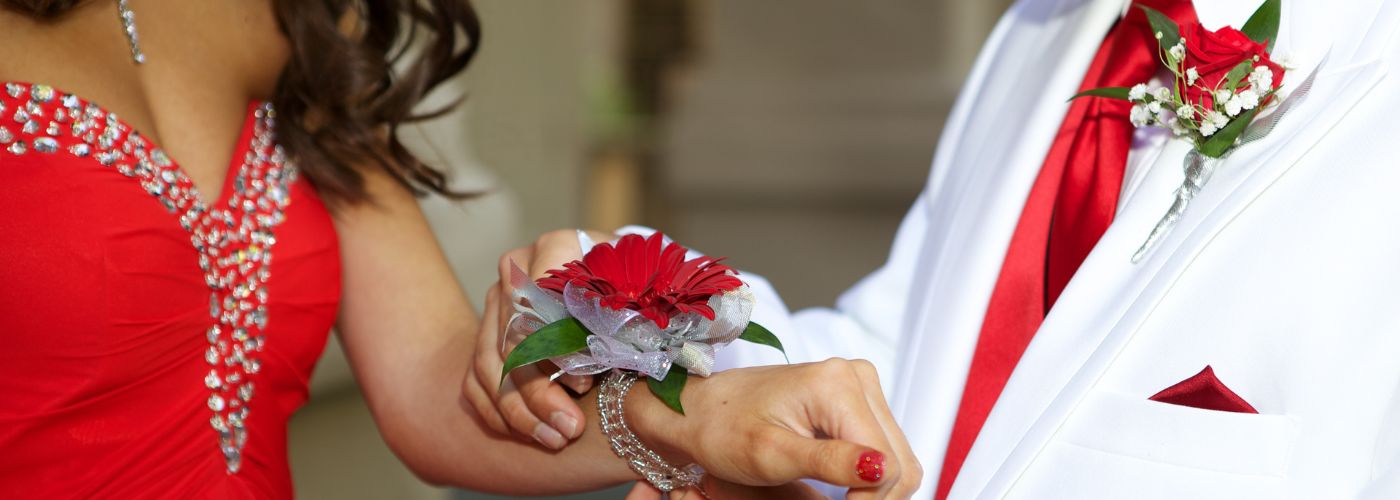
x: 546, y: 399
x: 543, y: 410
x: 642, y: 490
x: 552, y: 250
x: 784, y: 456
x: 519, y: 418
x: 577, y: 383
x: 481, y: 395
x: 845, y: 415
x: 911, y: 472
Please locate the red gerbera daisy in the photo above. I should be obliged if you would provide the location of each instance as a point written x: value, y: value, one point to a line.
x: 647, y: 276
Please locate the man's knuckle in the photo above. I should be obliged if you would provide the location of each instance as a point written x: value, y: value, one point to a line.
x: 864, y: 366
x: 915, y: 474
x: 835, y: 374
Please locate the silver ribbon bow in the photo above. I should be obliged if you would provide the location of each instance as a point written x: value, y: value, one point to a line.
x: 1199, y: 168
x: 623, y: 338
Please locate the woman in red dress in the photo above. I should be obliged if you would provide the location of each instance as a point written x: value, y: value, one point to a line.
x: 172, y: 259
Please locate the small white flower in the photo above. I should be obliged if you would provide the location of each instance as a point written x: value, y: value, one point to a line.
x: 1155, y: 107
x: 1261, y: 78
x: 1138, y: 92
x: 1221, y: 96
x: 1186, y: 111
x: 1218, y: 118
x: 1234, y: 106
x: 1192, y: 75
x: 1162, y: 94
x: 1165, y: 116
x: 1177, y: 52
x: 1213, y: 122
x: 1139, y: 115
x: 1248, y: 98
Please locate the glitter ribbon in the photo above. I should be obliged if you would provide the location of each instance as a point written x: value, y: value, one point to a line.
x: 623, y: 338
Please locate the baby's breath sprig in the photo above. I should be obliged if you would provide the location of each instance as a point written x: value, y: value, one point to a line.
x: 1205, y: 115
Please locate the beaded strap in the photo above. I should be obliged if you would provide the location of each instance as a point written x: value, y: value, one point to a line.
x: 642, y: 460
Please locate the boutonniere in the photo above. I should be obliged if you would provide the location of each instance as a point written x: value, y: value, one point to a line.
x: 1222, y: 81
x: 637, y: 306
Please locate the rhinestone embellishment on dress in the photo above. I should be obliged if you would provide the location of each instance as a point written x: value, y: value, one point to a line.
x: 233, y: 240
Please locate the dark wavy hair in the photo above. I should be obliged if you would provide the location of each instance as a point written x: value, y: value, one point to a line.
x: 344, y: 93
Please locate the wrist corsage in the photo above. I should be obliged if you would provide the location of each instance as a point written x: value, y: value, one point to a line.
x: 637, y: 306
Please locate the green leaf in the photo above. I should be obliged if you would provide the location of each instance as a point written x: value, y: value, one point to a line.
x: 1120, y: 93
x: 1262, y: 27
x: 1237, y: 73
x: 1171, y: 33
x: 1220, y: 143
x: 566, y: 336
x: 757, y: 334
x: 669, y: 390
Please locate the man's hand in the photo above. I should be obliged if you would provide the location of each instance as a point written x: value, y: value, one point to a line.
x: 712, y: 488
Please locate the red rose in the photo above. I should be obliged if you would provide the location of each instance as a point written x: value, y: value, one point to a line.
x: 1214, y: 53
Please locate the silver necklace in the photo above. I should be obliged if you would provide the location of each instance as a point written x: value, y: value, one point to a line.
x: 129, y: 26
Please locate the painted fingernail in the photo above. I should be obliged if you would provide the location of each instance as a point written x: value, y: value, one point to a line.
x: 549, y: 437
x: 564, y: 423
x: 871, y: 466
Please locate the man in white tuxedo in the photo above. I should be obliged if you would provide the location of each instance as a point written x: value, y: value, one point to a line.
x: 1254, y: 352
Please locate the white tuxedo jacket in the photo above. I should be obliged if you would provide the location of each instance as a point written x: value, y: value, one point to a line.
x: 1283, y: 275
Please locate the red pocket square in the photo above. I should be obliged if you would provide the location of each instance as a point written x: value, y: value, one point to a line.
x: 1206, y: 392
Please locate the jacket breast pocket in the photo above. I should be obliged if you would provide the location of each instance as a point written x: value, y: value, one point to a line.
x: 1182, y: 436
x: 1116, y: 446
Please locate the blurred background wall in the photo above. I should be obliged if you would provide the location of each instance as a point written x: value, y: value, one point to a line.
x: 789, y: 135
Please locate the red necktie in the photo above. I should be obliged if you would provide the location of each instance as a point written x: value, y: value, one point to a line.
x: 1069, y: 208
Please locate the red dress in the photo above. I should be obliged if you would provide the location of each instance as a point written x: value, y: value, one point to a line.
x: 152, y: 343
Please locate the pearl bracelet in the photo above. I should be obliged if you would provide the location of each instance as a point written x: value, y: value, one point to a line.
x: 642, y: 460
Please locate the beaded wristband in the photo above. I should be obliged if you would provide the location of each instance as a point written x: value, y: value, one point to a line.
x: 642, y: 460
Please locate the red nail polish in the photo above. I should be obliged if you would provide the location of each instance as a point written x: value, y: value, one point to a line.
x: 871, y: 466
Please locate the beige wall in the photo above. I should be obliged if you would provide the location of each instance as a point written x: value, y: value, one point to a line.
x: 805, y: 128
x: 795, y: 141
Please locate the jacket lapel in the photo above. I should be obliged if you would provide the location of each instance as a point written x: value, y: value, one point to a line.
x: 990, y: 154
x: 1110, y: 297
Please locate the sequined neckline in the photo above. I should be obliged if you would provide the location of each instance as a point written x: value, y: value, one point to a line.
x: 74, y: 101
x: 233, y: 238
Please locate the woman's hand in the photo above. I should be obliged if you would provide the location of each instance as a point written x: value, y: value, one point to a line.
x: 528, y: 404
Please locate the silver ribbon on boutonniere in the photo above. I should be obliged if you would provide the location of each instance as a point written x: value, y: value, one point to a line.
x: 1199, y: 168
